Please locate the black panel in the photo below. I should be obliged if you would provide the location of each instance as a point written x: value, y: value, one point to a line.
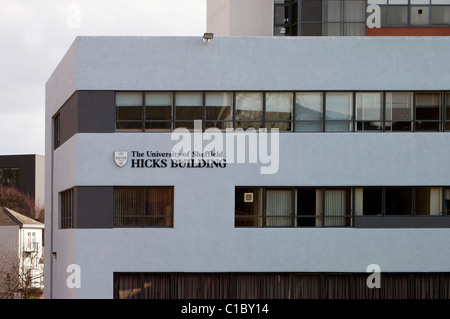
x: 68, y: 119
x: 86, y: 112
x: 96, y: 111
x: 27, y: 171
x: 402, y: 222
x: 94, y: 207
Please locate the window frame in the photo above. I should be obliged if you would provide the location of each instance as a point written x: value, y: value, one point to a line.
x: 295, y: 124
x: 352, y: 210
x: 409, y: 23
x: 67, y: 209
x: 56, y: 121
x: 142, y: 217
x: 319, y: 217
x: 414, y: 197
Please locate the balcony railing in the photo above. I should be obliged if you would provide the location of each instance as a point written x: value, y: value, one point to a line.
x: 30, y: 246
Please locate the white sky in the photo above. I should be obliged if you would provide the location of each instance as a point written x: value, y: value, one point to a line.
x: 35, y: 34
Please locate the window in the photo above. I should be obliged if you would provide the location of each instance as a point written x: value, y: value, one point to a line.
x: 338, y: 111
x: 399, y: 111
x: 56, y: 131
x: 421, y: 111
x: 447, y: 200
x: 372, y: 201
x: 311, y: 18
x: 308, y: 112
x: 10, y: 177
x: 129, y: 112
x: 440, y: 15
x: 398, y: 15
x: 420, y: 15
x: 428, y: 111
x: 399, y: 201
x: 285, y: 18
x: 447, y: 112
x: 279, y: 207
x: 369, y: 111
x: 249, y: 110
x: 158, y: 111
x: 67, y: 206
x: 219, y: 110
x: 383, y: 13
x: 336, y: 207
x: 279, y: 106
x: 428, y: 201
x: 308, y: 202
x: 343, y: 18
x: 415, y: 15
x: 188, y: 108
x: 143, y: 207
x: 248, y: 206
x: 292, y: 207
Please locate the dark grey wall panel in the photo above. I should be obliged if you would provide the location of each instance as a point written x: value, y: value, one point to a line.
x: 68, y: 115
x: 87, y: 112
x: 402, y: 221
x: 94, y: 207
x: 27, y: 166
x: 96, y: 111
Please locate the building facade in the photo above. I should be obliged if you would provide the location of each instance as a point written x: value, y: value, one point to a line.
x: 355, y: 172
x: 21, y: 253
x: 25, y: 173
x: 328, y: 17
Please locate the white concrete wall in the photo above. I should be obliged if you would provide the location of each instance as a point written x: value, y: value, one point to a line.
x: 60, y: 86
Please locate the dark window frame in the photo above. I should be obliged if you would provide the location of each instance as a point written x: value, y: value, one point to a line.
x: 67, y: 209
x: 319, y: 219
x: 411, y: 125
x: 56, y: 120
x: 414, y: 212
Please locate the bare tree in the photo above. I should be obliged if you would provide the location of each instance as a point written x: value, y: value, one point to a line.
x: 20, y: 275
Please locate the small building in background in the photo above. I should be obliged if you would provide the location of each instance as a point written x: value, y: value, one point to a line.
x: 26, y: 173
x: 21, y: 254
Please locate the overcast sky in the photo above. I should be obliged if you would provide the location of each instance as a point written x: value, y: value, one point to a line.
x: 35, y: 34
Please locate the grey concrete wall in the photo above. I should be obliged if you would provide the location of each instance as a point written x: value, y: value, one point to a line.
x: 249, y: 63
x: 263, y: 63
x: 204, y: 237
x: 60, y: 86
